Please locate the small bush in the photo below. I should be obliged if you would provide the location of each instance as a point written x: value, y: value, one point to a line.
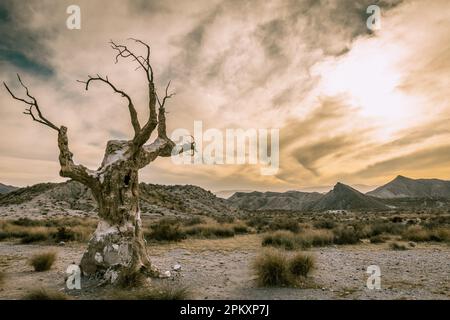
x: 301, y: 265
x: 45, y: 294
x: 240, y: 228
x: 210, y: 231
x: 282, y: 239
x: 26, y: 222
x: 131, y: 279
x: 284, y: 224
x: 397, y: 246
x: 378, y: 239
x: 64, y: 234
x: 314, y: 238
x: 421, y: 234
x: 324, y: 224
x: 43, y: 261
x: 346, y: 235
x: 166, y: 230
x: 34, y: 237
x: 271, y: 269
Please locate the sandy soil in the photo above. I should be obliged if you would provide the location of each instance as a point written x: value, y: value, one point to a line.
x: 221, y: 269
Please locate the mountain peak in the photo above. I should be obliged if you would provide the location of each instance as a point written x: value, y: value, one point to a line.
x: 400, y: 177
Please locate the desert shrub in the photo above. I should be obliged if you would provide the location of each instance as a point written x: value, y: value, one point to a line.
x: 34, y: 237
x: 421, y: 234
x: 64, y: 234
x: 166, y: 230
x: 324, y: 224
x: 240, y: 228
x: 42, y: 261
x: 346, y: 235
x: 397, y: 246
x: 259, y: 223
x: 131, y: 279
x: 301, y: 265
x: 282, y: 239
x: 210, y: 231
x: 45, y: 294
x: 27, y: 222
x: 271, y: 269
x: 2, y: 278
x: 377, y: 239
x: 314, y: 238
x: 378, y: 228
x: 224, y: 219
x: 160, y: 292
x: 192, y: 221
x: 284, y: 224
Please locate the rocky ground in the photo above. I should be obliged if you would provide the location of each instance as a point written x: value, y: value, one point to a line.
x: 221, y: 269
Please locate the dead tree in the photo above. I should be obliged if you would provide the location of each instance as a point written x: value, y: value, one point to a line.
x: 118, y: 242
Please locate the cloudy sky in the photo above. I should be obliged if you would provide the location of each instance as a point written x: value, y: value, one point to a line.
x: 352, y: 105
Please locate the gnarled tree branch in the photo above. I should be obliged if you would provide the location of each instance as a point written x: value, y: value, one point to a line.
x: 133, y: 114
x: 68, y: 168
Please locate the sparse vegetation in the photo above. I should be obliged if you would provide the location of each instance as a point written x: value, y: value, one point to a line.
x: 275, y: 268
x: 301, y: 265
x: 49, y: 230
x: 397, y: 246
x: 45, y: 294
x: 43, y: 261
x: 166, y: 230
x: 421, y: 234
x: 306, y: 239
x: 210, y: 231
x: 378, y: 239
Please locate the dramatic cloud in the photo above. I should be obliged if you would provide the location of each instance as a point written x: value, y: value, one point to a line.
x: 352, y: 104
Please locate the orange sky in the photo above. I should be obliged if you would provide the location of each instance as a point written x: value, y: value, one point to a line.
x: 352, y: 105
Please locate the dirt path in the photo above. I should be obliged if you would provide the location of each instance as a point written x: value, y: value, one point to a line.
x: 220, y: 269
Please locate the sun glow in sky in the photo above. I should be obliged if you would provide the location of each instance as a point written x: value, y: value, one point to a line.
x: 351, y: 105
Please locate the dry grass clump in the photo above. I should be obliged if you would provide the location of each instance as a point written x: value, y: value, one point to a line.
x: 45, y: 294
x: 421, y: 234
x: 131, y: 279
x: 274, y: 268
x: 43, y: 261
x: 397, y: 246
x: 306, y: 239
x: 30, y: 231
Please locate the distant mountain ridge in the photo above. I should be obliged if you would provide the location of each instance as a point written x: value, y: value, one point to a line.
x: 341, y: 197
x: 5, y: 188
x: 403, y: 187
x: 71, y: 197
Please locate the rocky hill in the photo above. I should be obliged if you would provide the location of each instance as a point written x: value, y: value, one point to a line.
x: 344, y: 197
x: 291, y: 200
x: 403, y: 187
x: 5, y: 188
x: 72, y: 198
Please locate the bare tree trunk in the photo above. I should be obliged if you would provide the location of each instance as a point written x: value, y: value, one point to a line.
x: 118, y: 241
